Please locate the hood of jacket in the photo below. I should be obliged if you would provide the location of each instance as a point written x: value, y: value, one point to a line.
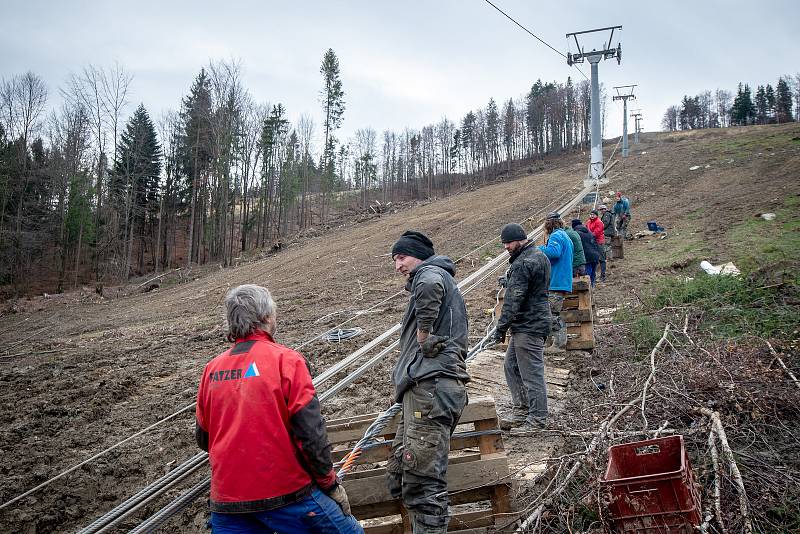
x: 443, y: 262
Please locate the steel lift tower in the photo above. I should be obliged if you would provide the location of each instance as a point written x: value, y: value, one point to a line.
x: 637, y: 117
x: 625, y: 95
x: 594, y: 57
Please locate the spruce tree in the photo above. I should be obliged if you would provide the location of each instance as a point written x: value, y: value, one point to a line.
x: 195, y: 148
x: 770, y: 96
x: 783, y: 102
x: 333, y: 105
x: 761, y: 105
x: 134, y: 180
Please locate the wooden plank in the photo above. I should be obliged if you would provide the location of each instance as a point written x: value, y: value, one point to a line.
x: 582, y: 283
x: 371, y: 489
x: 576, y: 316
x: 380, y: 453
x: 392, y: 507
x: 585, y: 301
x: 352, y: 429
x: 486, y: 444
x: 580, y: 344
x: 471, y: 520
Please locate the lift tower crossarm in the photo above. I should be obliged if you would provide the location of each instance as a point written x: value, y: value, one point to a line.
x: 594, y: 58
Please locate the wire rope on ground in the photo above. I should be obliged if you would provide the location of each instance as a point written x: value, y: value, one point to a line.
x: 95, y: 456
x: 165, y: 480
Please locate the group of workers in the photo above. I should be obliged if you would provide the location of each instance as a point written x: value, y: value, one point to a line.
x: 259, y: 418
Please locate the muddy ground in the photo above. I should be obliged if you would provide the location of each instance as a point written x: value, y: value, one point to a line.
x: 80, y: 372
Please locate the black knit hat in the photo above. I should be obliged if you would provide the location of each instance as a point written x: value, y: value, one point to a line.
x: 576, y: 222
x: 415, y: 244
x: 513, y: 232
x: 553, y: 215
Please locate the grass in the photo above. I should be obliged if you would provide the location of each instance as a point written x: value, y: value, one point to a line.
x: 757, y: 242
x: 760, y: 141
x: 761, y: 303
x: 764, y: 301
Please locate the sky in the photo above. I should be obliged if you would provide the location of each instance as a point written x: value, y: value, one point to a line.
x: 403, y: 64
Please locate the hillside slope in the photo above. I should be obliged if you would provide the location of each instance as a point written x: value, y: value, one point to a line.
x: 81, y: 373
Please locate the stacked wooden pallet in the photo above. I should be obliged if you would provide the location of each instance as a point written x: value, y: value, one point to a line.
x: 578, y: 315
x: 478, y: 472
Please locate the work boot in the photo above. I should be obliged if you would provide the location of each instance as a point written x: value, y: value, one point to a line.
x: 508, y: 422
x: 528, y: 428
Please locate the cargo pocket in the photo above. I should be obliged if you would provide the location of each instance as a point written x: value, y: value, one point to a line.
x: 421, y: 449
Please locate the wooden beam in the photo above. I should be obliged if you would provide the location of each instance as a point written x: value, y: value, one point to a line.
x: 369, y: 488
x: 353, y: 428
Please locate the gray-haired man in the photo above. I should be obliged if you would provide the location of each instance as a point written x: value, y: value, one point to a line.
x: 429, y: 380
x: 259, y: 419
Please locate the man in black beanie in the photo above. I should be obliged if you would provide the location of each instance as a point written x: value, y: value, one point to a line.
x: 526, y: 313
x: 429, y: 379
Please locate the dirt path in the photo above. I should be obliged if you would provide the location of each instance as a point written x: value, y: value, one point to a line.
x: 80, y: 372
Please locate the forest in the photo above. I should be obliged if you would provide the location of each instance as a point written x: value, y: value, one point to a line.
x: 721, y: 108
x: 94, y: 190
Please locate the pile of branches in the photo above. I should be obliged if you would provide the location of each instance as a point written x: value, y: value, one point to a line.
x: 737, y: 404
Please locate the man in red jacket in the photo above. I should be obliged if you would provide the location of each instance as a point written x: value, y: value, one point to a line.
x: 259, y: 418
x: 596, y: 226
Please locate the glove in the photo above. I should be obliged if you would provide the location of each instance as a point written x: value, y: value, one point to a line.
x: 433, y: 345
x: 340, y: 496
x: 502, y: 281
x: 499, y: 337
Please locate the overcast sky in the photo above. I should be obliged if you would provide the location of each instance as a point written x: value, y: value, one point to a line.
x: 403, y: 63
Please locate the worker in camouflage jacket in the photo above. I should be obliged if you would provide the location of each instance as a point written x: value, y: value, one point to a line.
x: 429, y: 380
x: 526, y: 313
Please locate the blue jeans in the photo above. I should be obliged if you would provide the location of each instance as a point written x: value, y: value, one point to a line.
x: 591, y: 270
x: 316, y: 514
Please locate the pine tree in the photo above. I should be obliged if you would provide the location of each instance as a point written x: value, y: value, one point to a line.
x: 783, y: 102
x: 333, y: 105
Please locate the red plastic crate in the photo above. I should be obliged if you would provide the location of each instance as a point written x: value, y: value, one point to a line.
x: 650, y: 487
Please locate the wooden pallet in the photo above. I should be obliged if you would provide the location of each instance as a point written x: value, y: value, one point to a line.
x: 577, y: 313
x: 477, y: 472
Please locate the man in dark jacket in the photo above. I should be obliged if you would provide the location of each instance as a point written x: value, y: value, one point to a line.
x: 590, y: 248
x: 429, y: 379
x: 526, y: 312
x: 259, y: 419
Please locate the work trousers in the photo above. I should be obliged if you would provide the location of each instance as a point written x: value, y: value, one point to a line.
x: 417, y: 467
x: 603, y: 257
x: 558, y: 326
x: 315, y: 514
x: 622, y: 225
x: 524, y: 369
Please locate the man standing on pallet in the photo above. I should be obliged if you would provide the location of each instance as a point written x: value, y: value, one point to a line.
x: 558, y: 249
x: 259, y: 419
x: 622, y: 213
x: 526, y: 313
x: 429, y: 380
